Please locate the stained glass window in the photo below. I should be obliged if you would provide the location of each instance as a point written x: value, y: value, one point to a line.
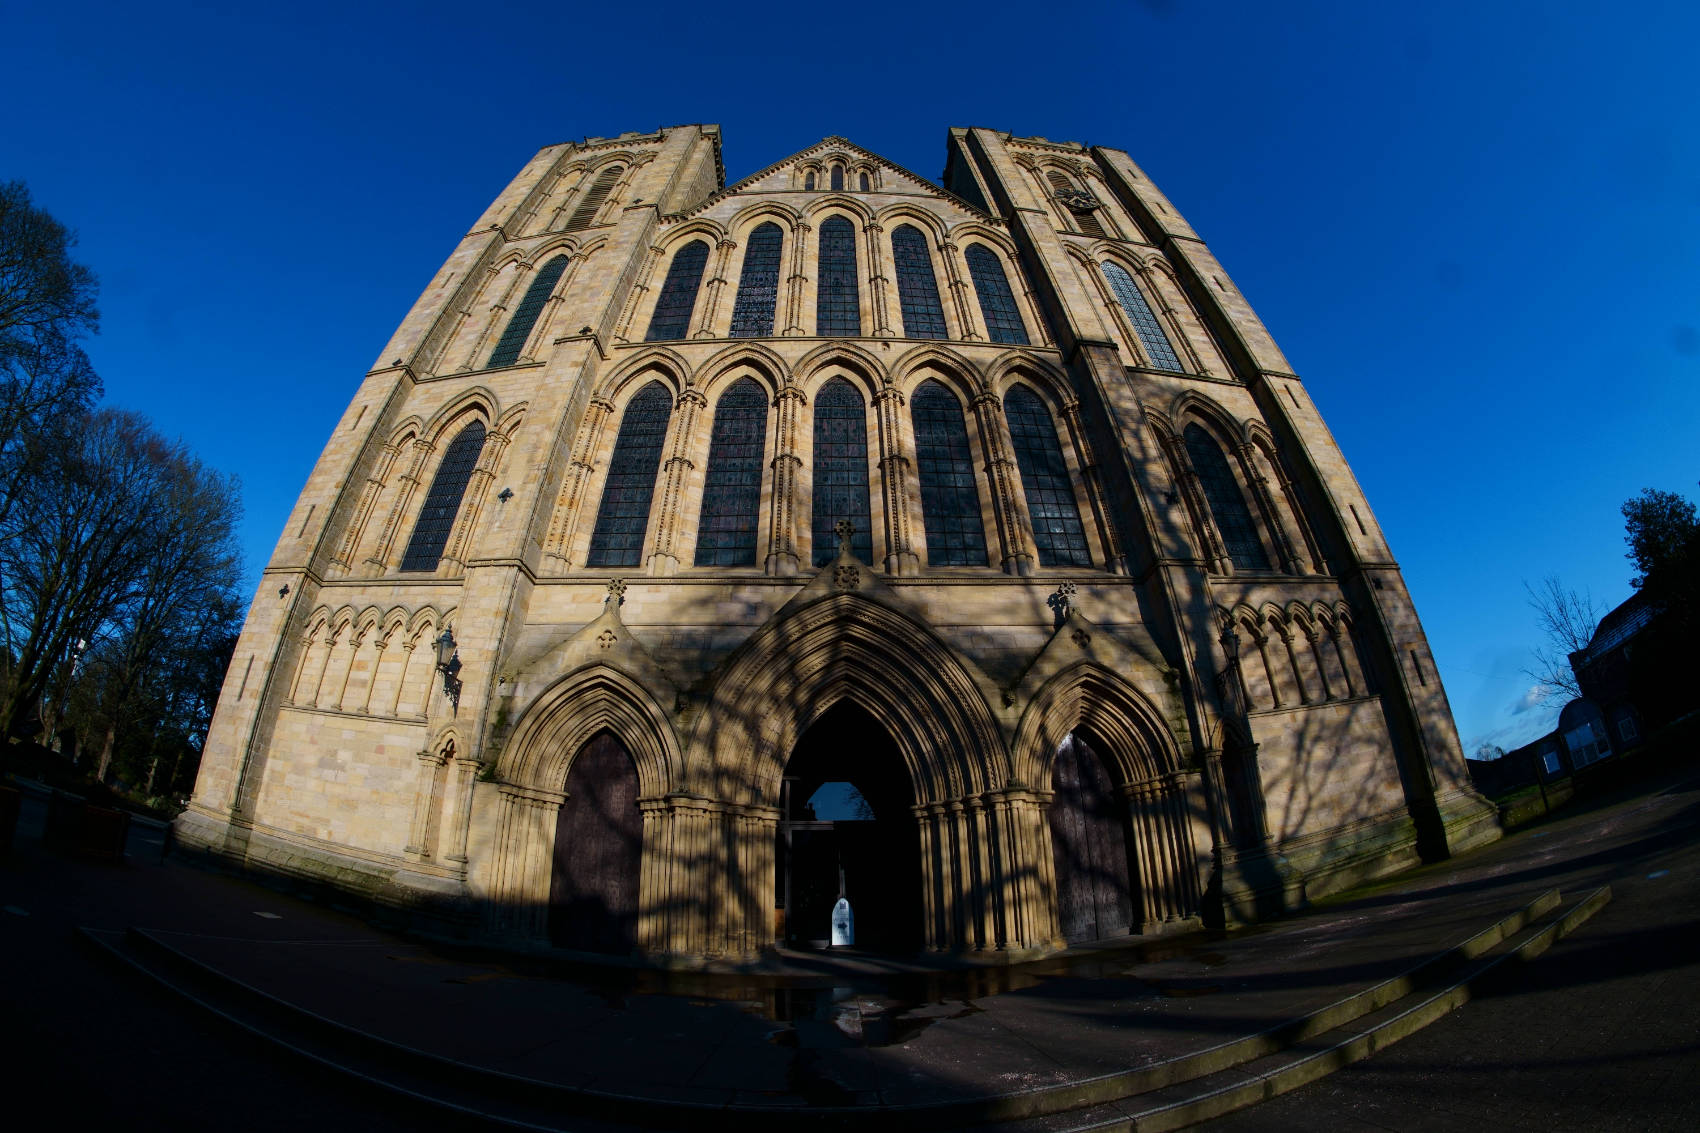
x: 731, y: 492
x: 950, y: 500
x: 863, y: 180
x: 808, y: 181
x: 442, y: 502
x: 917, y: 288
x: 1045, y: 481
x: 758, y: 286
x: 585, y: 214
x: 672, y: 318
x: 623, y: 517
x: 997, y: 303
x: 1227, y: 505
x: 837, y: 310
x: 1139, y: 314
x: 525, y: 315
x: 837, y: 178
x: 841, y: 471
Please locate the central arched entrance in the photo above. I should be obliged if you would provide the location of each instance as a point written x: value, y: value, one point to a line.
x: 1089, y: 846
x: 847, y: 828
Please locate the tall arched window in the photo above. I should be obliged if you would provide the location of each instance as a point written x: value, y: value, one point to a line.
x: 837, y: 299
x: 731, y: 492
x: 1145, y: 324
x: 997, y: 303
x: 917, y: 287
x: 442, y: 502
x: 1045, y: 481
x: 758, y: 286
x: 672, y: 318
x: 837, y: 178
x: 950, y: 500
x: 809, y: 180
x: 841, y: 471
x: 1227, y: 505
x: 862, y: 180
x: 623, y: 516
x: 525, y: 315
x: 591, y: 204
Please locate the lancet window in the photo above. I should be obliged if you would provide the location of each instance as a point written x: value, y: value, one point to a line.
x: 837, y: 301
x: 623, y: 516
x: 917, y: 287
x: 442, y: 502
x: 838, y: 178
x: 950, y: 500
x: 585, y: 214
x: 862, y: 181
x: 1227, y: 505
x: 672, y: 318
x: 731, y: 494
x: 1145, y: 324
x: 997, y: 302
x: 520, y: 326
x: 758, y: 285
x: 1057, y: 531
x: 841, y: 472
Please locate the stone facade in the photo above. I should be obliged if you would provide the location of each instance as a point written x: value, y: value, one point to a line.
x: 1205, y: 612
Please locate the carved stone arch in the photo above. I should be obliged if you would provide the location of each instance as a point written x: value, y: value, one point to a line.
x: 1191, y: 405
x: 1121, y: 723
x: 566, y: 715
x: 848, y: 356
x: 966, y: 230
x: 407, y: 431
x: 769, y: 369
x: 367, y: 620
x: 654, y: 363
x: 448, y: 739
x: 1042, y: 374
x: 960, y: 375
x: 671, y: 239
x: 393, y: 621
x: 906, y: 212
x: 426, y: 619
x: 846, y: 646
x: 505, y: 425
x: 820, y: 209
x: 753, y: 215
x: 478, y: 401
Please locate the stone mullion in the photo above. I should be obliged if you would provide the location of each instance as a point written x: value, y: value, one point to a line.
x: 929, y: 878
x: 708, y: 313
x: 1266, y: 504
x: 1092, y: 477
x: 622, y: 330
x: 1321, y: 666
x: 1017, y: 547
x: 374, y: 487
x: 1286, y: 636
x: 324, y: 666
x: 879, y: 287
x: 477, y: 489
x: 401, y: 677
x: 379, y: 644
x: 1334, y: 635
x: 408, y: 485
x: 959, y: 288
x: 900, y: 557
x: 355, y: 637
x: 308, y: 644
x: 782, y: 556
x: 562, y: 524
x: 796, y: 284
x: 676, y: 475
x: 424, y: 794
x: 521, y: 270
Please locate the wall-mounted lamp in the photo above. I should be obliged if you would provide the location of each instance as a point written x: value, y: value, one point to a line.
x: 505, y: 494
x: 448, y: 664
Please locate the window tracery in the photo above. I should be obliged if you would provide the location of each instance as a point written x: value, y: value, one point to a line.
x: 585, y: 214
x: 917, y: 287
x: 442, y: 503
x: 731, y: 494
x: 997, y: 302
x: 622, y: 519
x: 672, y: 318
x: 525, y: 316
x: 1057, y: 530
x: 1138, y: 311
x: 837, y: 300
x: 950, y: 498
x: 758, y: 285
x: 841, y: 472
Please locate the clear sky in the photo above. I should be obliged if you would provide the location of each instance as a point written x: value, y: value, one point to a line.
x: 1473, y: 228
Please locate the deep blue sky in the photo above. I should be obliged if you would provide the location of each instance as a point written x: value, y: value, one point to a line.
x: 1475, y: 230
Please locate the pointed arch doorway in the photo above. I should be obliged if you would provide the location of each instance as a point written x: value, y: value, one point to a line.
x: 1089, y: 846
x: 847, y: 828
x: 593, y: 887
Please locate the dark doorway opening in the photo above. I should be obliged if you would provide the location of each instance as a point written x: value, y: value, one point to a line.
x: 846, y: 828
x: 1089, y: 847
x: 593, y: 889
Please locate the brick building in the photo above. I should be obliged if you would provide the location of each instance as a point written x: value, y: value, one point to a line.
x: 966, y: 548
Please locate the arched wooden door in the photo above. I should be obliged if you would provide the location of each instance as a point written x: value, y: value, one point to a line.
x: 1089, y: 845
x: 593, y: 892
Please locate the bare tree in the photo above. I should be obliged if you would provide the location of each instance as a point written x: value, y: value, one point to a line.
x: 1567, y: 620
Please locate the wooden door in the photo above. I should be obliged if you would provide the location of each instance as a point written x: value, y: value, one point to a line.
x: 598, y: 841
x: 1089, y: 846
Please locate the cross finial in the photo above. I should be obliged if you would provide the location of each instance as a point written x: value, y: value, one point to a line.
x: 616, y: 592
x: 845, y: 530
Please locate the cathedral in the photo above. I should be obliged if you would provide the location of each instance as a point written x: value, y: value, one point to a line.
x: 698, y: 556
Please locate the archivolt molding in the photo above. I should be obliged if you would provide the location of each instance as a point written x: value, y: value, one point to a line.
x: 891, y: 216
x: 653, y: 363
x: 1121, y: 724
x: 751, y: 217
x: 1013, y: 366
x: 820, y: 209
x: 556, y: 725
x: 478, y: 401
x: 935, y: 361
x: 846, y: 645
x: 672, y: 239
x: 756, y: 356
x: 847, y: 355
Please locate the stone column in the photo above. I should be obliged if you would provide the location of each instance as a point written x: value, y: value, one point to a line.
x: 1334, y: 635
x: 1293, y: 662
x: 402, y: 505
x: 525, y: 844
x: 640, y: 287
x: 558, y: 543
x: 380, y: 642
x: 796, y: 284
x: 782, y: 554
x: 708, y: 307
x: 675, y: 479
x: 879, y: 287
x: 355, y: 637
x: 984, y: 876
x: 1016, y: 550
x: 960, y: 289
x: 497, y: 310
x: 900, y: 556
x: 401, y: 677
x: 929, y: 877
x: 1321, y: 666
x: 424, y: 802
x: 457, y: 807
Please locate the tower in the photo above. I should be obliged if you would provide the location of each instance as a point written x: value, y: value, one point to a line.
x: 991, y: 503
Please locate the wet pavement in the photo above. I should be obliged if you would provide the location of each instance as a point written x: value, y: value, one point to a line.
x: 838, y: 1031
